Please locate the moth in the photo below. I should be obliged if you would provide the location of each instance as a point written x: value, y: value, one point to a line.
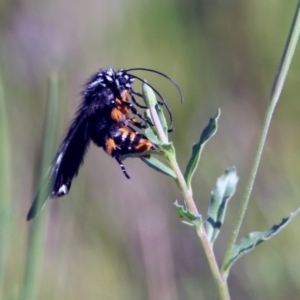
x: 107, y: 116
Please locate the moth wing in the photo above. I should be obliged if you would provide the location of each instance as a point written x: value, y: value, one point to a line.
x: 66, y: 163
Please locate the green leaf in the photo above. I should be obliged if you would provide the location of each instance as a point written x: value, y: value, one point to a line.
x: 150, y: 131
x: 159, y: 166
x: 253, y: 239
x: 151, y: 136
x: 208, y: 132
x: 220, y: 195
x: 162, y: 118
x: 149, y: 95
x: 168, y: 149
x: 147, y: 115
x: 186, y: 214
x: 142, y: 154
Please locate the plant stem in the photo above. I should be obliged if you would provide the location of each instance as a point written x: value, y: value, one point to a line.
x: 219, y: 279
x: 34, y: 261
x: 173, y: 163
x: 274, y: 97
x: 210, y: 255
x: 187, y: 195
x: 5, y: 184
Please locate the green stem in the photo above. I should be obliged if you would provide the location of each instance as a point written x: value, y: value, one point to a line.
x: 187, y: 195
x: 219, y: 279
x: 280, y: 77
x: 210, y: 255
x: 34, y: 260
x: 173, y: 163
x: 5, y: 184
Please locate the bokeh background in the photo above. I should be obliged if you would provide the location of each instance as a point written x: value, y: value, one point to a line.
x: 113, y: 238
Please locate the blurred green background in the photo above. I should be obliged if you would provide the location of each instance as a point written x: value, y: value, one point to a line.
x: 113, y: 238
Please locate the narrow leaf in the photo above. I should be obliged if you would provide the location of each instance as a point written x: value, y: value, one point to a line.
x: 159, y: 166
x: 141, y: 154
x: 147, y: 115
x: 208, y: 132
x: 149, y: 95
x: 162, y: 118
x: 253, y: 239
x: 151, y: 132
x: 151, y: 136
x: 186, y: 214
x: 220, y: 195
x: 168, y: 149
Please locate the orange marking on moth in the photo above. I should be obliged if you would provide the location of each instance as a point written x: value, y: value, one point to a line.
x: 119, y: 112
x: 117, y: 115
x: 125, y: 130
x: 132, y: 135
x: 125, y: 96
x: 124, y: 108
x: 144, y: 145
x: 118, y: 101
x: 110, y: 145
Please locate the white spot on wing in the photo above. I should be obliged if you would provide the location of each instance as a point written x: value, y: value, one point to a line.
x: 59, y: 158
x: 63, y: 190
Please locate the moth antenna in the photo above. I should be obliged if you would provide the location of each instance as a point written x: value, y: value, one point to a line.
x: 163, y: 75
x: 161, y: 97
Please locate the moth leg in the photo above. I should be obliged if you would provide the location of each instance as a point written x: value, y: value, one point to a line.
x: 118, y: 159
x: 137, y: 104
x: 137, y: 124
x: 125, y: 100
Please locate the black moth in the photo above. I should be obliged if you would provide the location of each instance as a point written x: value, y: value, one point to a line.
x: 103, y: 117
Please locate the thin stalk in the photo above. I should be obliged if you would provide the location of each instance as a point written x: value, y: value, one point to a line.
x: 210, y: 255
x: 5, y: 184
x: 219, y: 279
x: 34, y: 262
x: 221, y: 283
x: 173, y: 163
x: 279, y: 80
